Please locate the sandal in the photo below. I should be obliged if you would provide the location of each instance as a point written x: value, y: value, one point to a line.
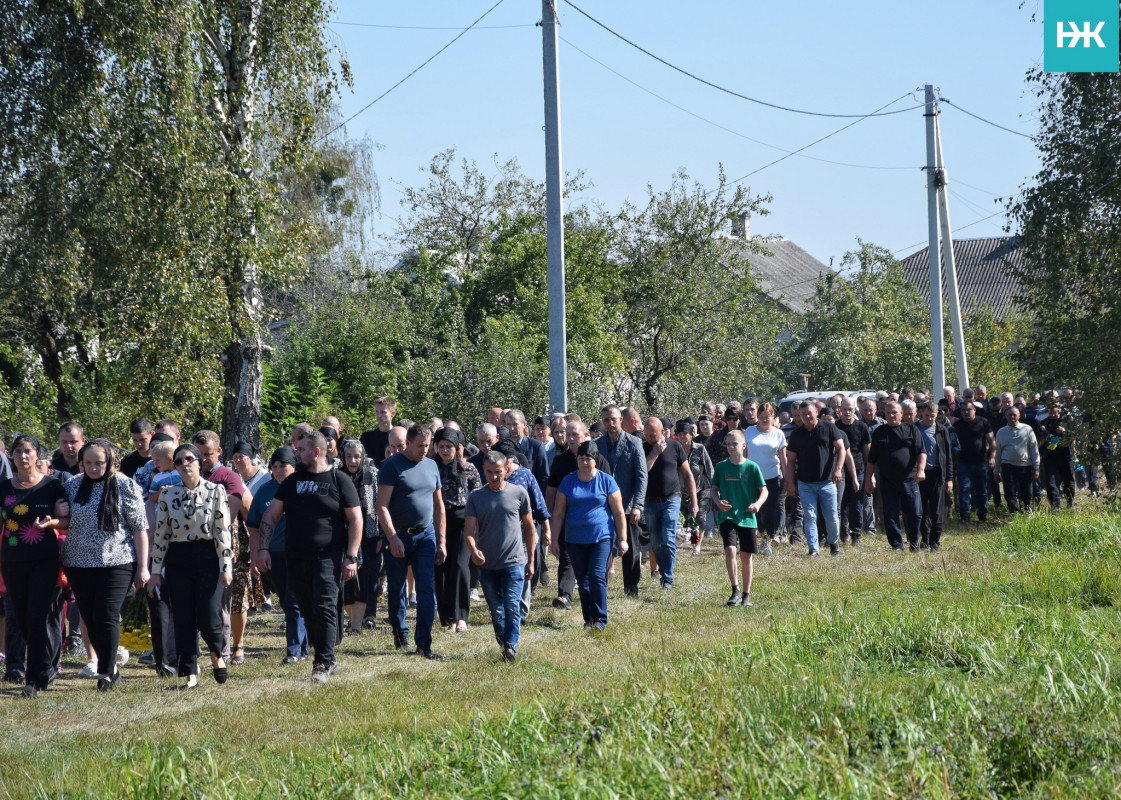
x: 237, y: 656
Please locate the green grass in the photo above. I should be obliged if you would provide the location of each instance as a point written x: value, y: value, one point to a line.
x: 984, y: 670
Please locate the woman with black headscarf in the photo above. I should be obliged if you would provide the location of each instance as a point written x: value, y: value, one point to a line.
x: 106, y: 548
x: 191, y: 554
x: 361, y: 594
x: 34, y: 507
x: 453, y: 577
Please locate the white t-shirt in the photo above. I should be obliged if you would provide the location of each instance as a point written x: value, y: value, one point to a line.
x: 763, y: 449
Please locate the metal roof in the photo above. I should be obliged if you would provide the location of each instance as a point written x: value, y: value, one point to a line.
x: 787, y: 273
x: 987, y: 272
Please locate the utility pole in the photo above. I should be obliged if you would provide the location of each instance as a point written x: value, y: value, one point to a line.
x: 938, y: 360
x: 948, y: 265
x: 554, y: 211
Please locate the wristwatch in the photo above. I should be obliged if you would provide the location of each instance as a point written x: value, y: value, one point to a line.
x: 350, y: 559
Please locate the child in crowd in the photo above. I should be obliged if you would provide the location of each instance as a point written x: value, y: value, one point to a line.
x: 738, y: 492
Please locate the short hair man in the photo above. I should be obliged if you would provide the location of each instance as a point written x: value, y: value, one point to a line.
x: 410, y: 510
x: 486, y: 436
x: 816, y: 456
x: 859, y: 436
x: 897, y: 463
x: 939, y: 477
x: 71, y: 439
x: 140, y: 430
x: 532, y: 449
x: 670, y: 477
x: 975, y: 458
x: 323, y: 533
x: 498, y: 529
x: 376, y: 439
x: 1017, y: 458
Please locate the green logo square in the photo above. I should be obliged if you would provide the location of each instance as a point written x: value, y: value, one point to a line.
x: 1080, y: 36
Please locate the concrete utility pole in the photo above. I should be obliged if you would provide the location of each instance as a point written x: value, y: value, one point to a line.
x: 948, y: 266
x: 554, y: 211
x: 938, y: 360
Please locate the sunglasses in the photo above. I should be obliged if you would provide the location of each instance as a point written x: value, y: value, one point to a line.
x: 185, y: 460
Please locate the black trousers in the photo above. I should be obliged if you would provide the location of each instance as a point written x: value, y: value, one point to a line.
x: 566, y: 578
x: 370, y: 574
x: 315, y: 579
x: 191, y: 580
x: 1060, y: 477
x: 33, y: 589
x: 1017, y: 487
x: 632, y: 559
x: 100, y: 591
x: 932, y: 494
x: 453, y: 577
x: 160, y: 627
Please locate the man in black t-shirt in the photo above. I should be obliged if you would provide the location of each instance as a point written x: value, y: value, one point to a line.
x: 896, y: 463
x: 975, y: 458
x: 376, y: 439
x: 64, y: 460
x: 141, y: 432
x: 323, y: 533
x: 667, y: 467
x: 815, y: 456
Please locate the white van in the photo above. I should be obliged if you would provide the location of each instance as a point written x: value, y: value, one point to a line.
x: 787, y: 402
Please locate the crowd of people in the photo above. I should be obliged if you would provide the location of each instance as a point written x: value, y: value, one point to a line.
x: 421, y: 515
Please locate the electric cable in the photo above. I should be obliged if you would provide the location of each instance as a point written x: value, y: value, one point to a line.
x: 986, y: 121
x: 712, y: 85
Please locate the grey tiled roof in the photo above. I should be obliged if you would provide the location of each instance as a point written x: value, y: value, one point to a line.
x: 986, y: 270
x: 787, y: 273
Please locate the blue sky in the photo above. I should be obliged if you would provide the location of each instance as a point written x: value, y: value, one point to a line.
x: 483, y: 96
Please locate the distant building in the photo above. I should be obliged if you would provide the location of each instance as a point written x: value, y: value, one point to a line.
x: 987, y: 271
x: 786, y: 273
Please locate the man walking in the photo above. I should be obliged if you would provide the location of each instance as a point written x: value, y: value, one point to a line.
x: 897, y: 463
x: 816, y: 456
x: 669, y: 477
x: 976, y: 457
x: 939, y: 475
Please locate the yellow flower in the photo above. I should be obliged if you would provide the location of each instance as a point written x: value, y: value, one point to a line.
x: 20, y: 510
x: 12, y: 525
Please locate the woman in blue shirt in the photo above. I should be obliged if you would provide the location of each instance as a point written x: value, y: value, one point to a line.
x: 589, y: 506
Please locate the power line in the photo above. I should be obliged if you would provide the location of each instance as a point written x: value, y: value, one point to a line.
x: 433, y: 27
x: 986, y: 121
x: 961, y: 228
x: 717, y: 124
x: 708, y: 83
x: 822, y: 139
x: 411, y: 74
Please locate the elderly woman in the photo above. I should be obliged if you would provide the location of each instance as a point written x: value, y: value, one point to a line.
x: 106, y: 548
x: 361, y: 594
x: 191, y: 553
x: 453, y: 578
x: 34, y: 507
x: 247, y: 591
x: 766, y: 446
x: 589, y: 507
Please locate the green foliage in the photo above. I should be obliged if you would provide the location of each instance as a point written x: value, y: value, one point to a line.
x: 992, y: 346
x: 1069, y: 222
x: 868, y: 330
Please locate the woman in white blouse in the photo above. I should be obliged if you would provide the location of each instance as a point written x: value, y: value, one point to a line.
x: 766, y: 446
x: 106, y: 541
x: 192, y: 561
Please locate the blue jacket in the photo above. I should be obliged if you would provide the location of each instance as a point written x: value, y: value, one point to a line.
x: 534, y: 451
x: 628, y: 465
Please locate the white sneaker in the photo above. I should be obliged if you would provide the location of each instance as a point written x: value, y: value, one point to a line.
x: 474, y: 594
x: 90, y: 670
x: 122, y: 656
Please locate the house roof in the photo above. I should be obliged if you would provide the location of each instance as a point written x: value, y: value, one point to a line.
x: 787, y: 273
x: 986, y: 268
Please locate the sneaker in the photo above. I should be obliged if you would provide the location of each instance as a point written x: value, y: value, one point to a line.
x: 766, y: 550
x: 509, y: 654
x: 90, y: 670
x: 666, y: 586
x: 122, y: 656
x: 587, y: 626
x: 697, y: 551
x: 164, y: 671
x: 855, y: 541
x: 320, y: 673
x: 814, y: 554
x: 562, y: 602
x: 400, y: 640
x: 267, y: 606
x: 14, y: 676
x: 291, y: 660
x: 745, y: 600
x: 834, y: 549
x: 475, y: 594
x: 426, y: 652
x: 147, y: 658
x: 734, y: 599
x: 334, y: 668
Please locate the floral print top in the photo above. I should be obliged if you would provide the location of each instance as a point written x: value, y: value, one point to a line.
x: 19, y: 508
x: 191, y: 515
x: 454, y: 487
x: 88, y: 546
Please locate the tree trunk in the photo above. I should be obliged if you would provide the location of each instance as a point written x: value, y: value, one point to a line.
x: 241, y: 403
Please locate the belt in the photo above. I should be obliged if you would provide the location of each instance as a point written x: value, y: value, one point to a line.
x: 415, y: 530
x: 650, y: 498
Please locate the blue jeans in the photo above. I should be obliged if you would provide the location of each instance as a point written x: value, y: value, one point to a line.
x: 589, y: 562
x: 661, y: 522
x: 901, y: 499
x: 973, y: 490
x: 420, y: 554
x: 503, y: 590
x: 821, y: 495
x: 295, y: 631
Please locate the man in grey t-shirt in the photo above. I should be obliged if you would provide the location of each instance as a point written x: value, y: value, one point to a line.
x: 498, y: 529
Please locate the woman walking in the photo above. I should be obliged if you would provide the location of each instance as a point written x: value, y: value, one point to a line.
x: 35, y: 507
x: 106, y: 549
x: 191, y: 550
x: 766, y: 446
x: 453, y: 578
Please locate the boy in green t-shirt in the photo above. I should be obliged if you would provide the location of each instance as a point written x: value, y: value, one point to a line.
x: 738, y: 492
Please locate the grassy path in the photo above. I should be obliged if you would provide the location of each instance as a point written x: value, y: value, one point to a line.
x: 987, y: 669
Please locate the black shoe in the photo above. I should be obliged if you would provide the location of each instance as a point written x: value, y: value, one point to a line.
x: 427, y: 653
x: 509, y: 654
x: 400, y: 640
x: 733, y: 599
x: 898, y: 548
x: 28, y: 692
x: 855, y: 541
x: 221, y: 674
x: 632, y: 592
x: 562, y: 602
x: 745, y: 600
x: 164, y: 671
x: 834, y: 549
x: 291, y: 660
x: 914, y: 547
x: 14, y: 676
